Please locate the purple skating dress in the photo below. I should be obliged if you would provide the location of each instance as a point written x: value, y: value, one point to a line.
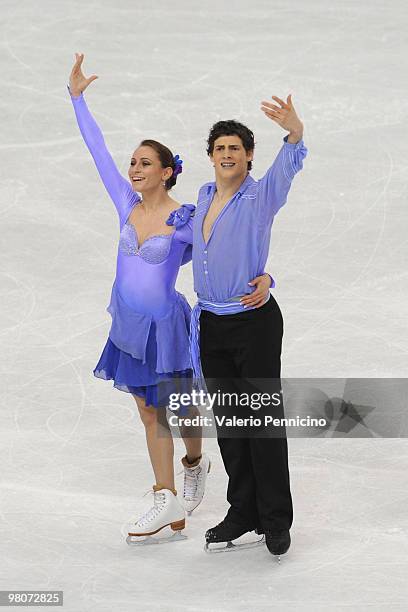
x: 147, y: 351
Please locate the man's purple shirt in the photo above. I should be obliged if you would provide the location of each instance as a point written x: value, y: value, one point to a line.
x: 238, y: 245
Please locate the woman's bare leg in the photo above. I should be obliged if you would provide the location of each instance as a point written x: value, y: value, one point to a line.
x: 192, y: 436
x: 159, y: 443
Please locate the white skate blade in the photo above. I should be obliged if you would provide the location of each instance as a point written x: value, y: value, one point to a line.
x: 218, y: 547
x: 175, y: 536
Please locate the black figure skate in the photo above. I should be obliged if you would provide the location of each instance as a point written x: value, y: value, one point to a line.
x: 277, y: 541
x: 227, y: 531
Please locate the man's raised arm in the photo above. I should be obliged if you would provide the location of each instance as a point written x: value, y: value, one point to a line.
x: 274, y: 186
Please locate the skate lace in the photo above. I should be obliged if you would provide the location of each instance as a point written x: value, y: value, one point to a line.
x: 192, y: 480
x: 154, y: 511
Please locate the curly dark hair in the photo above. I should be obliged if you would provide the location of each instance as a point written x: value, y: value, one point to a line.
x: 231, y: 128
x: 166, y: 159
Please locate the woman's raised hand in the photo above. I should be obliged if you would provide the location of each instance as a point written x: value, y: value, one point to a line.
x: 77, y: 80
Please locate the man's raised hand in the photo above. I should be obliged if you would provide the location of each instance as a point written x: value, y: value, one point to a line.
x: 284, y: 115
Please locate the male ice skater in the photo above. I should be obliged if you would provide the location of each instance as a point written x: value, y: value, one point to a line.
x: 232, y: 229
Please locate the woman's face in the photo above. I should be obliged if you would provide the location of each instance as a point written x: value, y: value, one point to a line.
x: 145, y: 170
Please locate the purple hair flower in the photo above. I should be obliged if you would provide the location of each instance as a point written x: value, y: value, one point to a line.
x: 178, y: 165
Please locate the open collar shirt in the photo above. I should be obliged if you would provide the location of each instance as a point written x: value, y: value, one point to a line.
x: 238, y: 244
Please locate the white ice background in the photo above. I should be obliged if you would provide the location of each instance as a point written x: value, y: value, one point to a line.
x: 74, y: 464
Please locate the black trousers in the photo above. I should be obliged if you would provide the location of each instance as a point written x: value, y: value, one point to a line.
x: 235, y: 348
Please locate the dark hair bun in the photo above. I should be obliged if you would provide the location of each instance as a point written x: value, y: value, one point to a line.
x: 171, y: 182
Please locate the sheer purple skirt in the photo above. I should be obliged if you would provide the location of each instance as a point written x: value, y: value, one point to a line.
x: 132, y: 376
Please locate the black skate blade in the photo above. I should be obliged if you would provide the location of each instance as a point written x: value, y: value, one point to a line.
x: 278, y: 558
x: 219, y: 547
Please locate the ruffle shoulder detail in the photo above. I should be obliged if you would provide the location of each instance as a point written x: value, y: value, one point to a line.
x: 181, y: 216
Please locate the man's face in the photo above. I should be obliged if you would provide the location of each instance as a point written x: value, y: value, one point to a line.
x: 230, y: 158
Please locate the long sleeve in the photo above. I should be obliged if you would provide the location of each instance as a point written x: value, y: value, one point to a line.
x: 182, y: 219
x: 119, y: 189
x: 187, y: 237
x: 273, y: 187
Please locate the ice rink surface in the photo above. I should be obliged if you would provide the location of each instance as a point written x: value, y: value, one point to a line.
x: 74, y: 465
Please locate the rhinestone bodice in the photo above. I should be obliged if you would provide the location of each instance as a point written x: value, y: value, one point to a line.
x: 154, y: 250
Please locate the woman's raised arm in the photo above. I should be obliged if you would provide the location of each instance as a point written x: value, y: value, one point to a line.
x: 119, y: 189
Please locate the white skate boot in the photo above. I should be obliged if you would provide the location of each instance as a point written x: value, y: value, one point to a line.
x: 194, y: 482
x: 166, y: 511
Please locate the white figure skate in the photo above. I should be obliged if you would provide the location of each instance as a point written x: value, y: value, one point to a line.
x: 166, y: 511
x: 194, y: 483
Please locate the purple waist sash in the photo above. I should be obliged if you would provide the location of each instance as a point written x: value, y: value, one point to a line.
x: 218, y: 308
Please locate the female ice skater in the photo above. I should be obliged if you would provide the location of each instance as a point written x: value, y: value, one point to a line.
x: 148, y: 343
